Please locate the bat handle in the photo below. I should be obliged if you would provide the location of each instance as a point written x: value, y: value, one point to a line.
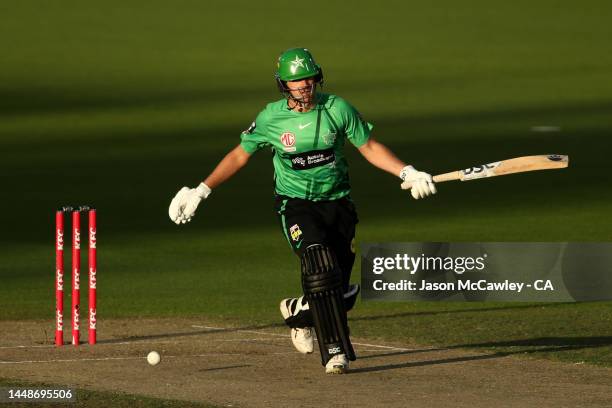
x: 439, y: 178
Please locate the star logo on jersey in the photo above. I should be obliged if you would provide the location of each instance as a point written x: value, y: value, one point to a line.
x: 288, y: 141
x: 250, y: 130
x: 297, y: 63
x: 329, y: 138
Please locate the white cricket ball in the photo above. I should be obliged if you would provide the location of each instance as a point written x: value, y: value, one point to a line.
x: 153, y: 358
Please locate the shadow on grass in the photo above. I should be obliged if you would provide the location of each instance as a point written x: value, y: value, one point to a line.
x: 524, y: 346
x: 527, y: 346
x: 18, y: 101
x: 224, y: 368
x: 560, y: 343
x: 131, y: 177
x: 455, y: 311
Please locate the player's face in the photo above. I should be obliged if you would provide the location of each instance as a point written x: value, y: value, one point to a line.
x: 302, y: 90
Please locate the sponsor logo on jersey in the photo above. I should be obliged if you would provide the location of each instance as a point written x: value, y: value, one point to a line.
x: 299, y: 161
x: 304, y: 126
x: 312, y: 159
x: 250, y: 130
x: 295, y: 232
x: 288, y: 141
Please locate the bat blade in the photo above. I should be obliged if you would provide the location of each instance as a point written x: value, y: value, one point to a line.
x: 516, y: 165
x: 503, y: 167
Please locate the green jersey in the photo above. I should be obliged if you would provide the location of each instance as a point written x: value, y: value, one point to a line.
x: 308, y: 147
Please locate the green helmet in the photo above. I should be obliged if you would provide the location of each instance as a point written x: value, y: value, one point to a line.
x: 295, y: 64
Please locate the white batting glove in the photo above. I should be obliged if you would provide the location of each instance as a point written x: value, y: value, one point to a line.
x: 420, y: 183
x: 183, y: 205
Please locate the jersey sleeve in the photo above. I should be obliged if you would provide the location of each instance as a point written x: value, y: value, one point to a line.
x: 356, y: 128
x: 255, y: 137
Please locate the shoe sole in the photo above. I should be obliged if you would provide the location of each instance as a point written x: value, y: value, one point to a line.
x: 336, y: 370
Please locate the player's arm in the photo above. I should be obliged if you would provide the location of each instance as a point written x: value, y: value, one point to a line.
x: 183, y: 205
x: 227, y: 167
x: 382, y: 157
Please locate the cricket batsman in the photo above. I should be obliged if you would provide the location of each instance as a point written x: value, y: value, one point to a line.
x: 306, y: 131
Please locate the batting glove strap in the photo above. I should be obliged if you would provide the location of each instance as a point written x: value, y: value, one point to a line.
x: 407, y: 171
x: 203, y: 191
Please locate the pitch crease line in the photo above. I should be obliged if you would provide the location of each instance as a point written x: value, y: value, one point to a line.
x: 285, y: 335
x: 76, y: 360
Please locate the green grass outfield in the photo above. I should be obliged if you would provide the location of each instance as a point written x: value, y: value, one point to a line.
x: 121, y: 105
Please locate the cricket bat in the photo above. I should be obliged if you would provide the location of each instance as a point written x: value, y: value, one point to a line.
x: 502, y: 168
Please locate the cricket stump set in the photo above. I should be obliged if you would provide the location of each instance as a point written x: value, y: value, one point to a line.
x: 76, y: 269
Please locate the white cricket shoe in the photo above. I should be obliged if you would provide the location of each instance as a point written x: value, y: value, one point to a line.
x: 301, y: 337
x: 338, y: 364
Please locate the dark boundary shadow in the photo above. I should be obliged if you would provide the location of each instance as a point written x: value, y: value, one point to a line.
x: 114, y: 171
x: 439, y: 312
x: 542, y: 344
